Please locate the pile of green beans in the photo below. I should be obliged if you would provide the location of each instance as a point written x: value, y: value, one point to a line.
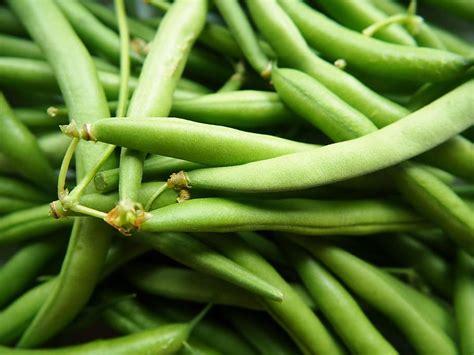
x: 236, y: 177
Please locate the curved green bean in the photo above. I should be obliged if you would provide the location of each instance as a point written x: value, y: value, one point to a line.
x: 358, y: 15
x: 10, y: 204
x: 26, y: 264
x: 17, y: 189
x: 11, y: 46
x: 9, y: 23
x: 342, y: 311
x: 293, y: 315
x: 363, y: 280
x: 196, y: 255
x: 373, y: 56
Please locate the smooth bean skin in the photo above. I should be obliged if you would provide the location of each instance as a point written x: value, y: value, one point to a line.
x: 417, y: 133
x: 372, y: 288
x: 84, y: 96
x: 242, y: 109
x: 25, y: 265
x: 196, y: 255
x: 339, y: 307
x: 341, y: 122
x: 312, y: 217
x: 358, y: 15
x: 161, y: 71
x: 15, y: 318
x: 464, y: 301
x: 180, y: 283
x: 262, y: 334
x: 454, y: 43
x: 166, y: 339
x: 192, y: 141
x: 371, y: 55
x: 9, y: 23
x: 34, y: 118
x: 11, y: 46
x: 17, y: 143
x: 292, y: 314
x: 430, y: 266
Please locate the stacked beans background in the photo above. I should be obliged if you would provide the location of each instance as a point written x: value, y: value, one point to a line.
x: 236, y: 177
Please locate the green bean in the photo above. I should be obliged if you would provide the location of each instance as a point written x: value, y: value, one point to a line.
x: 11, y: 46
x: 341, y: 122
x: 292, y: 314
x: 26, y: 264
x: 363, y: 280
x: 292, y: 49
x: 36, y: 74
x: 431, y: 267
x: 201, y: 63
x: 432, y: 310
x: 342, y: 311
x: 402, y: 140
x: 161, y: 71
x: 10, y: 204
x: 358, y: 15
x: 240, y: 109
x: 155, y: 167
x: 387, y: 60
x: 54, y: 146
x: 37, y: 118
x: 425, y: 35
x: 464, y: 301
x: 262, y: 334
x: 179, y: 283
x: 242, y: 31
x: 222, y: 338
x: 94, y: 34
x: 459, y: 8
x: 196, y: 255
x: 166, y: 339
x: 9, y: 23
x: 15, y: 188
x: 19, y: 144
x: 268, y: 249
x: 197, y: 141
x: 454, y: 43
x: 18, y: 315
x: 77, y: 78
x: 312, y: 217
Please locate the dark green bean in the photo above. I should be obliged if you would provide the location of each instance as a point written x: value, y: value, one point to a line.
x: 179, y: 283
x: 26, y: 264
x: 19, y: 144
x: 464, y: 301
x: 94, y: 34
x: 454, y: 43
x: 10, y: 187
x: 84, y: 96
x: 219, y: 337
x: 342, y: 311
x: 9, y: 23
x: 292, y: 314
x: 312, y: 217
x: 358, y: 15
x: 430, y: 266
x: 11, y: 46
x: 363, y: 279
x: 268, y: 249
x: 261, y: 333
x: 389, y: 60
x: 196, y: 255
x: 459, y: 8
x: 10, y: 204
